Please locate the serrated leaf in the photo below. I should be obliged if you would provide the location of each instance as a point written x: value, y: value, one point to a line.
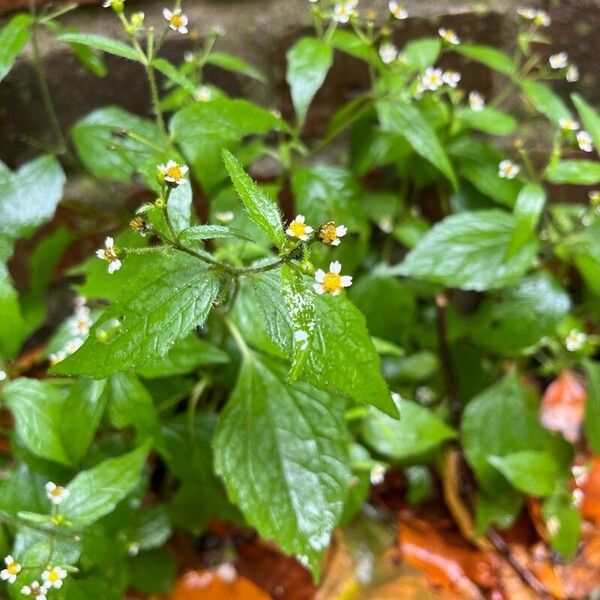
x: 490, y: 57
x: 13, y: 37
x: 179, y: 206
x: 261, y: 208
x: 308, y: 63
x: 528, y: 210
x: 96, y: 492
x: 407, y: 120
x: 229, y: 62
x: 592, y: 405
x: 468, y: 251
x: 212, y: 232
x: 100, y: 42
x: 589, y: 118
x: 545, y: 101
x: 531, y: 471
x: 576, y: 172
x: 298, y: 437
x: 148, y: 318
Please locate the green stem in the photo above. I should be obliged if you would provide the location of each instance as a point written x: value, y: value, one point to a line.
x: 239, y: 339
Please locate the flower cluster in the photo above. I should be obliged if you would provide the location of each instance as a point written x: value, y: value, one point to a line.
x: 540, y: 18
x: 584, y: 139
x: 52, y: 577
x: 79, y: 326
x: 560, y: 62
x: 434, y: 78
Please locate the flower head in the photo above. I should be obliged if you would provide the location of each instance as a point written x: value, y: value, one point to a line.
x: 476, y: 101
x: 432, y: 79
x: 377, y: 474
x: 527, y: 13
x: 203, y: 93
x: 568, y: 124
x: 584, y: 141
x: 172, y: 172
x: 343, y: 10
x: 12, y: 569
x: 331, y: 282
x: 176, y: 19
x: 539, y: 17
x: 299, y: 229
x: 397, y: 10
x: 225, y: 217
x: 133, y: 548
x: 572, y: 74
x: 449, y: 36
x: 73, y: 345
x: 139, y: 225
x: 35, y: 590
x: 451, y: 78
x: 559, y: 61
x: 110, y: 254
x: 3, y: 375
x: 57, y: 357
x: 507, y: 169
x: 330, y: 235
x: 53, y: 577
x: 56, y: 493
x: 575, y: 340
x: 81, y: 322
x: 388, y: 53
x: 116, y: 5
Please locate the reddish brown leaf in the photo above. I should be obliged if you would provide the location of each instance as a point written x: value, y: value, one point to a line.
x: 562, y: 406
x: 590, y: 486
x: 207, y: 584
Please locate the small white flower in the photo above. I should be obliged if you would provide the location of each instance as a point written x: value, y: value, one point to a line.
x: 542, y: 18
x: 432, y: 79
x: 569, y: 124
x: 298, y: 229
x: 330, y: 234
x: 176, y: 19
x: 133, y: 549
x: 56, y: 493
x: 385, y: 224
x: 424, y: 394
x: 331, y: 282
x: 388, y: 53
x: 203, y: 93
x: 572, y: 74
x: 559, y: 61
x: 476, y: 101
x: 577, y: 497
x: 575, y: 340
x: 35, y: 590
x: 580, y: 473
x: 13, y: 568
x: 377, y: 474
x: 553, y: 525
x: 451, y: 78
x: 226, y: 572
x: 301, y: 337
x: 73, y: 345
x: 53, y: 577
x: 173, y: 172
x: 225, y: 216
x: 188, y: 56
x: 398, y: 11
x: 109, y: 254
x: 449, y: 36
x: 507, y: 169
x: 584, y: 141
x: 342, y: 11
x: 527, y: 13
x: 3, y: 375
x: 81, y: 322
x: 57, y: 357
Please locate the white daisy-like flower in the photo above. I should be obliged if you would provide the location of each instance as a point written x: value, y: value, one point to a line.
x: 342, y: 12
x: 542, y: 18
x: 572, y: 74
x: 225, y: 216
x: 188, y: 56
x: 173, y: 172
x: 301, y: 337
x: 3, y: 375
x: 432, y: 79
x: 133, y: 549
x: 398, y: 11
x: 507, y: 169
x: 527, y: 13
x: 226, y: 572
x: 569, y: 124
x: 449, y: 36
x: 575, y: 340
x: 176, y: 19
x: 81, y: 322
x: 203, y: 93
x: 584, y: 141
x: 53, y: 577
x: 12, y: 569
x: 56, y: 493
x: 377, y: 475
x: 299, y: 229
x: 109, y: 254
x: 388, y: 53
x: 331, y: 282
x: 451, y: 78
x: 35, y: 589
x: 553, y: 525
x: 559, y: 61
x: 476, y: 101
x: 330, y: 234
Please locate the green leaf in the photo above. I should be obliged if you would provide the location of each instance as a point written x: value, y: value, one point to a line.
x: 90, y: 59
x: 577, y: 172
x: 468, y: 251
x: 38, y: 411
x: 212, y: 232
x: 545, y: 101
x: 528, y: 210
x: 100, y: 42
x: 484, y: 176
x: 348, y: 42
x: 148, y: 317
x: 490, y: 57
x: 531, y: 471
x: 408, y: 121
x: 13, y: 37
x: 592, y: 405
x: 179, y: 206
x: 583, y: 248
x: 107, y: 150
x: 28, y: 198
x: 418, y: 432
x: 174, y: 74
x: 262, y: 209
x: 420, y: 54
x: 308, y: 63
x: 563, y: 523
x: 236, y: 65
x: 97, y: 491
x: 298, y: 437
x: 13, y: 328
x: 488, y: 120
x: 589, y: 118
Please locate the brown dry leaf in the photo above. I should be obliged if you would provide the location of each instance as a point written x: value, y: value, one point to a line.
x: 339, y: 573
x: 411, y: 585
x: 563, y: 405
x: 205, y: 584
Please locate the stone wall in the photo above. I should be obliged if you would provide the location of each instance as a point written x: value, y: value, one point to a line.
x: 261, y: 31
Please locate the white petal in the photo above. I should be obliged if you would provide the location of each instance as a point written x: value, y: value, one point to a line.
x: 167, y: 14
x: 114, y: 265
x: 183, y: 29
x: 299, y: 219
x: 346, y: 280
x: 109, y: 242
x: 9, y: 559
x: 319, y: 288
x: 288, y: 231
x: 308, y: 229
x: 341, y: 230
x: 320, y: 276
x: 4, y: 574
x: 171, y: 163
x: 335, y: 267
x: 335, y: 293
x: 336, y: 242
x: 184, y: 169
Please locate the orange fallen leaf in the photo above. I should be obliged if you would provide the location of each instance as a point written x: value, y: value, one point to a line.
x: 590, y: 486
x: 206, y: 584
x: 563, y: 405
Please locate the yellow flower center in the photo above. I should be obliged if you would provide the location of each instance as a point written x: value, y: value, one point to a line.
x: 332, y: 283
x: 176, y: 21
x: 109, y: 256
x: 57, y: 491
x: 327, y: 233
x: 53, y: 576
x: 298, y: 229
x: 175, y: 170
x: 13, y: 568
